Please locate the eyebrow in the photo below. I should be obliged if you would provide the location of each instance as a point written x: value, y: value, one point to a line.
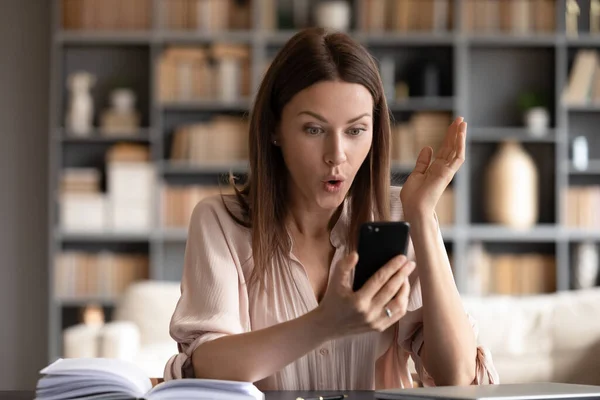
x: 321, y: 118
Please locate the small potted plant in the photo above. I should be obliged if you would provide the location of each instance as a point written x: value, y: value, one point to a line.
x: 534, y: 108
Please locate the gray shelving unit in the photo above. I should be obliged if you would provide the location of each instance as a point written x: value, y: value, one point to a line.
x: 483, y: 75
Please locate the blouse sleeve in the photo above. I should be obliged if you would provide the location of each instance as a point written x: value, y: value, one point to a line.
x: 213, y: 301
x: 410, y: 327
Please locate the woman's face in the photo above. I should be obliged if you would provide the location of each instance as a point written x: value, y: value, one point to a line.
x: 325, y: 134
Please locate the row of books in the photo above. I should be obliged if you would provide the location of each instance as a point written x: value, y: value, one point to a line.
x: 221, y: 71
x: 223, y: 139
x: 582, y: 206
x: 205, y: 15
x: 406, y: 15
x: 179, y: 202
x: 510, y: 16
x: 106, y: 14
x: 583, y: 86
x: 422, y: 129
x: 510, y: 274
x: 104, y: 274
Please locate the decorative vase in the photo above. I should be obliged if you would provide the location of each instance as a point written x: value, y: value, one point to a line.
x: 585, y: 274
x: 121, y: 118
x: 511, y: 187
x: 80, y: 111
x: 537, y: 121
x: 333, y: 15
x: 580, y: 153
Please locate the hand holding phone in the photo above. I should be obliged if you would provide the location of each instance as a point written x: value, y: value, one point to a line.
x: 363, y: 304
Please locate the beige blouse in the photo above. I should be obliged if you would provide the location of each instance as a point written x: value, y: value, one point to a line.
x: 216, y: 301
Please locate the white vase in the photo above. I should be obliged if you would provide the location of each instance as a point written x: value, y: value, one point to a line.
x: 333, y: 15
x: 80, y: 111
x: 537, y: 121
x: 511, y: 187
x: 585, y: 273
x: 580, y: 153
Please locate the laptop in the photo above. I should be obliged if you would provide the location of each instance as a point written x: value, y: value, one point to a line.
x: 517, y: 391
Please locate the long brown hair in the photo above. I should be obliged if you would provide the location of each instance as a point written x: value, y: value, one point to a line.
x: 311, y: 56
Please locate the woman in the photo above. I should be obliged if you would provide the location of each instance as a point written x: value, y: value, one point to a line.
x: 266, y: 289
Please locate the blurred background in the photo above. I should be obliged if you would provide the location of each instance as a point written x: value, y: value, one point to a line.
x: 118, y: 116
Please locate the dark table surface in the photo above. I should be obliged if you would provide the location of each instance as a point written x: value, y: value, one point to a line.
x: 291, y: 395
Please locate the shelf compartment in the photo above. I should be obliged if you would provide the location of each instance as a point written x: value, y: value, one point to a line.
x: 498, y: 134
x: 509, y: 40
x: 207, y: 105
x: 174, y: 168
x: 103, y: 37
x: 191, y: 37
x: 102, y: 237
x: 423, y: 104
x: 406, y: 39
x: 114, y: 67
x: 95, y: 137
x: 499, y: 75
x: 592, y: 169
x: 85, y: 301
x: 498, y: 233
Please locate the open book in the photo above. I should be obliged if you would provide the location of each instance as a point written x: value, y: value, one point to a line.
x: 111, y: 379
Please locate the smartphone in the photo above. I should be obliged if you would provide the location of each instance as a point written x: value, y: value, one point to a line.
x: 379, y: 242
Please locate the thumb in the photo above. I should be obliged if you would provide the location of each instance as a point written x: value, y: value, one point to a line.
x: 345, y: 267
x: 423, y: 160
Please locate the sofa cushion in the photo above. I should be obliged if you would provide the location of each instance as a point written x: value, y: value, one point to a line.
x: 513, y: 326
x: 524, y: 368
x: 576, y: 320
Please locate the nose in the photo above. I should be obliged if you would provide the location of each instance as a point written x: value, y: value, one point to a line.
x: 335, y: 150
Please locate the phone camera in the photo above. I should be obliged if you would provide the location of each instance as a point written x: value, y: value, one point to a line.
x: 376, y: 229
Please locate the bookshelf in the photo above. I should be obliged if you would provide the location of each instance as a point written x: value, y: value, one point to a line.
x: 481, y: 71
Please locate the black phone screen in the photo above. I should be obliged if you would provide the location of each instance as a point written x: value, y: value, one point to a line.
x: 378, y: 242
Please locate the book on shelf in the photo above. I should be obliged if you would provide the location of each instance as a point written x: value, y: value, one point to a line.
x: 106, y: 14
x: 406, y: 15
x: 510, y: 274
x: 106, y: 378
x: 79, y: 274
x: 179, y: 201
x: 423, y: 129
x: 205, y: 15
x: 224, y: 139
x: 219, y: 72
x: 581, y: 206
x: 583, y: 86
x: 509, y: 16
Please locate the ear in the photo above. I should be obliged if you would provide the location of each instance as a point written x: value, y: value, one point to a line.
x: 276, y: 137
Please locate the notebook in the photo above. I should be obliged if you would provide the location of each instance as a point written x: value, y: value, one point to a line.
x: 520, y: 391
x: 112, y: 379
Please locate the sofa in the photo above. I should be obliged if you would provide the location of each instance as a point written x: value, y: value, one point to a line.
x: 551, y: 337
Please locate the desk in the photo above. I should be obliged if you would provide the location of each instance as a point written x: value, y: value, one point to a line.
x: 291, y: 395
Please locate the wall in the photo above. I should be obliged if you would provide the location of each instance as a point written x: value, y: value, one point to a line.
x: 24, y: 87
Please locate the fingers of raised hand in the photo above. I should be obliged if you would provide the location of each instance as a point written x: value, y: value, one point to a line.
x: 423, y: 160
x: 457, y: 156
x: 449, y: 139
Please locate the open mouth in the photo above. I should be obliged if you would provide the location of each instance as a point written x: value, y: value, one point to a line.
x: 333, y: 185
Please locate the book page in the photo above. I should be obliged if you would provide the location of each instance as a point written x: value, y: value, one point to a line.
x: 205, y: 389
x: 124, y: 374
